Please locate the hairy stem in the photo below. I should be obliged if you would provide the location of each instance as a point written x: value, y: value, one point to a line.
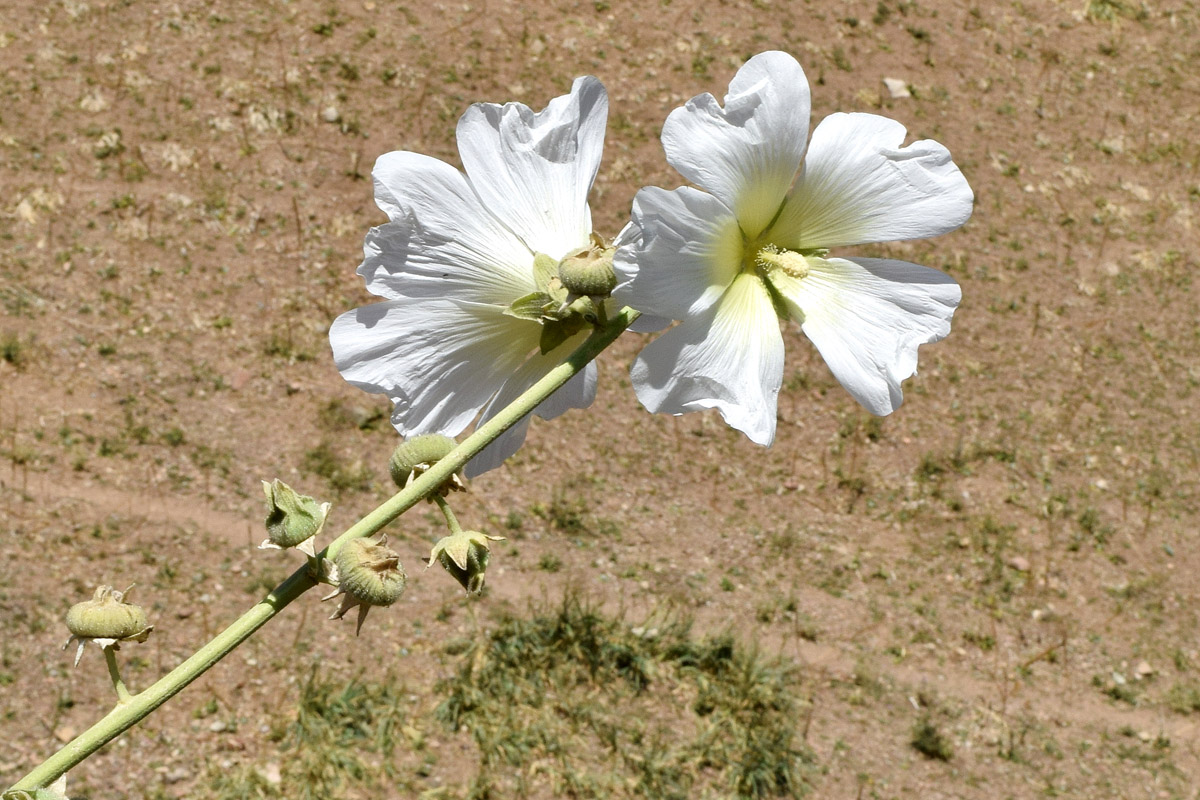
x: 137, y: 707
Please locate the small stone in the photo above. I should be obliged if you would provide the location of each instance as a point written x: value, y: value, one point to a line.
x: 1143, y: 669
x: 240, y: 378
x: 64, y: 734
x: 217, y: 726
x: 177, y: 775
x: 331, y: 114
x: 897, y: 88
x: 1019, y: 563
x: 271, y: 773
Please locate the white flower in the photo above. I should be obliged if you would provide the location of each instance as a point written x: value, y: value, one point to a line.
x: 457, y: 253
x: 731, y: 260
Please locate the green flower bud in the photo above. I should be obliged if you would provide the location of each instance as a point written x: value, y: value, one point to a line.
x: 368, y: 574
x: 465, y: 555
x: 292, y: 518
x: 107, y: 620
x: 415, y: 455
x: 589, y: 272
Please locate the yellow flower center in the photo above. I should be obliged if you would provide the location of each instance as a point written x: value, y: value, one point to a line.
x: 771, y: 258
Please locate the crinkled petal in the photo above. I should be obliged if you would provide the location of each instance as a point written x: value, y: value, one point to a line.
x: 748, y: 152
x: 631, y: 235
x: 579, y: 392
x: 728, y: 357
x: 439, y: 361
x: 442, y: 241
x: 859, y: 186
x: 534, y: 171
x: 867, y: 317
x: 687, y: 255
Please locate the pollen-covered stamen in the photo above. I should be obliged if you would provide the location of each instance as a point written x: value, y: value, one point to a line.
x: 771, y: 258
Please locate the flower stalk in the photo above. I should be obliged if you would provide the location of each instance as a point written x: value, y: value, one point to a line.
x: 133, y: 708
x: 110, y: 658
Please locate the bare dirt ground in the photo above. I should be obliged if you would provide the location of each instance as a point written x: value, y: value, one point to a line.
x: 993, y: 593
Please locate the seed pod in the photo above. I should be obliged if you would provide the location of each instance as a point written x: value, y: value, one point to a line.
x: 107, y: 621
x: 589, y: 272
x: 368, y: 574
x: 415, y: 455
x: 106, y: 616
x: 371, y: 572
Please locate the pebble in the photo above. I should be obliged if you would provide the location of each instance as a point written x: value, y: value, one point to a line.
x: 1019, y: 563
x: 331, y: 114
x: 897, y: 88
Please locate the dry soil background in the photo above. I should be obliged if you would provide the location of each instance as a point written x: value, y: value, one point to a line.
x: 992, y: 593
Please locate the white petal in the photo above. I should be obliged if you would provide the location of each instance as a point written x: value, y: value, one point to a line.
x: 535, y: 170
x: 729, y: 357
x: 439, y: 361
x: 689, y: 251
x: 748, y: 152
x: 441, y: 241
x: 859, y: 186
x: 579, y: 392
x: 867, y: 317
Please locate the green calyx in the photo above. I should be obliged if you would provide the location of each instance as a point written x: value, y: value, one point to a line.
x: 570, y: 293
x: 370, y: 572
x: 106, y: 616
x: 465, y: 555
x: 415, y: 455
x: 291, y: 518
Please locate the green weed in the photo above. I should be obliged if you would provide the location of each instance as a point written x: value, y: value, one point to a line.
x: 599, y: 707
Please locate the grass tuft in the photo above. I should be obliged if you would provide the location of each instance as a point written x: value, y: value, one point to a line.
x: 609, y: 712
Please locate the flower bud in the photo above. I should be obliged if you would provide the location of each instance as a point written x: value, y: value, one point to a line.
x: 589, y: 272
x: 368, y: 574
x: 465, y: 555
x: 415, y: 455
x: 291, y: 518
x: 107, y: 620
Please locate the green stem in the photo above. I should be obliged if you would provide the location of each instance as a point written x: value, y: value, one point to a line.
x: 110, y: 657
x: 128, y: 714
x: 448, y: 513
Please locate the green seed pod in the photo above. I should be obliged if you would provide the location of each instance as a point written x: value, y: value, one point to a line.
x: 370, y: 572
x: 106, y: 616
x: 418, y: 453
x: 589, y: 272
x: 291, y: 518
x: 465, y: 556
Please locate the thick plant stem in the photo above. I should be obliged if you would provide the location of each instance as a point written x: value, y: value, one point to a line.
x: 127, y: 714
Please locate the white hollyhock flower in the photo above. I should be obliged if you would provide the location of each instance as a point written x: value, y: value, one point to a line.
x: 730, y: 261
x: 459, y: 251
